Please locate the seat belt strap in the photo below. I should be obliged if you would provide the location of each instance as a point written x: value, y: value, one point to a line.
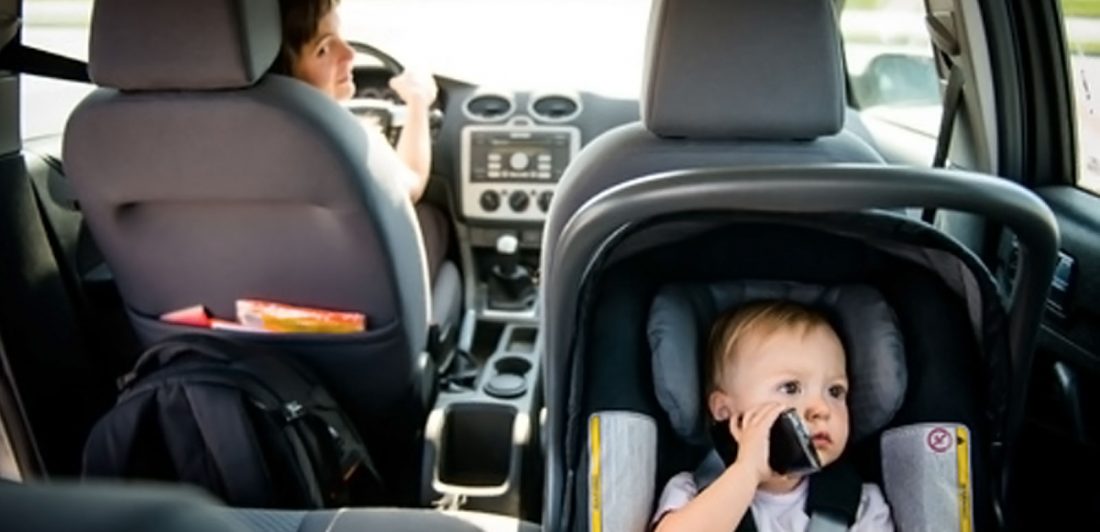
x: 833, y: 499
x: 823, y: 522
x: 832, y: 502
x: 951, y: 99
x: 945, y: 43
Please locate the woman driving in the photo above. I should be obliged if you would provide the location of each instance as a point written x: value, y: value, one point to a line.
x: 313, y: 51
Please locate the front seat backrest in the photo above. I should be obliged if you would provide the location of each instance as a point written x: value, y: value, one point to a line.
x: 730, y: 83
x: 204, y: 181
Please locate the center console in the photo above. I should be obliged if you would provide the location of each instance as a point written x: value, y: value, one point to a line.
x: 509, y: 171
x: 481, y: 440
x: 482, y: 448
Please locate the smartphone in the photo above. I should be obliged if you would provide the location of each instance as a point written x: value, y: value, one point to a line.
x: 791, y: 449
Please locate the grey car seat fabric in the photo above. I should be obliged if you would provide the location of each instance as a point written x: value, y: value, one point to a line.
x: 204, y: 181
x: 388, y: 519
x: 681, y: 317
x: 731, y: 83
x: 117, y: 508
x: 259, y: 189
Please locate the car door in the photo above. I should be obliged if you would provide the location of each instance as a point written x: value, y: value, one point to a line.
x: 1061, y: 440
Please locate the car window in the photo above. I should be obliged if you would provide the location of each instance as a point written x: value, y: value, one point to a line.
x: 890, y: 64
x: 1082, y: 20
x: 61, y: 27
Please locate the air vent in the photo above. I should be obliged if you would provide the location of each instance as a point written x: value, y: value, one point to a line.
x: 488, y: 107
x: 555, y: 107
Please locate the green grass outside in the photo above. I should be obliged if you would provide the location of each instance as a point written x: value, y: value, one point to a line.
x: 1079, y: 8
x: 1070, y: 8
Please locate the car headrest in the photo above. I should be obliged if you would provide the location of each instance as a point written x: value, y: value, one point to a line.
x: 743, y: 69
x: 681, y: 317
x: 182, y: 44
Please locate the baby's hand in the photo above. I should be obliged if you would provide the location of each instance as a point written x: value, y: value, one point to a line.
x: 751, y: 430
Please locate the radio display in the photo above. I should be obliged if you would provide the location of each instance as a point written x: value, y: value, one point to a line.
x: 518, y: 156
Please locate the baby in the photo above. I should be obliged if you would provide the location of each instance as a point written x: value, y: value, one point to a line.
x: 764, y: 358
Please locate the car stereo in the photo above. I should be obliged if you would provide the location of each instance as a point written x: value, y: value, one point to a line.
x: 509, y: 171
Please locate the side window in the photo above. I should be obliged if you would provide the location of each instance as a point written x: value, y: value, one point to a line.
x: 890, y: 64
x: 1082, y: 19
x: 61, y: 27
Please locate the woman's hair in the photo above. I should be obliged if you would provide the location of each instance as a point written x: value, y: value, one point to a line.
x: 300, y: 20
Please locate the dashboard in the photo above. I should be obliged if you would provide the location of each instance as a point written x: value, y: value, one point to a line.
x: 499, y: 153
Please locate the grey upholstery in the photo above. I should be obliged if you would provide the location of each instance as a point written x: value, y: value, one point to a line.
x: 389, y: 519
x: 681, y: 317
x: 773, y: 94
x: 92, y: 507
x: 743, y: 69
x: 119, y: 508
x: 202, y: 44
x: 205, y: 197
x: 204, y: 181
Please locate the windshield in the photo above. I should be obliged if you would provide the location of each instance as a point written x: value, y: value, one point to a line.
x: 590, y: 45
x: 594, y: 45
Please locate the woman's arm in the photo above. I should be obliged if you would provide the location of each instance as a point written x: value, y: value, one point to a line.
x: 418, y: 90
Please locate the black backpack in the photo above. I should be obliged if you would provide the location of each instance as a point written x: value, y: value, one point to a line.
x: 247, y: 423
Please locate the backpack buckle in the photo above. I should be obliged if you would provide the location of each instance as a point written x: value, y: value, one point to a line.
x: 293, y: 411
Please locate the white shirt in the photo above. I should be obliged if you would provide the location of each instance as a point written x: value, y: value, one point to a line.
x: 775, y: 512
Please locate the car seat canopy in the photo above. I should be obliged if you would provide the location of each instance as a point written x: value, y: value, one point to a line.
x: 682, y: 314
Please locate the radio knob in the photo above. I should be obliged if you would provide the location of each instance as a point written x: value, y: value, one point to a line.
x: 519, y: 160
x: 490, y: 201
x: 544, y: 200
x: 518, y: 201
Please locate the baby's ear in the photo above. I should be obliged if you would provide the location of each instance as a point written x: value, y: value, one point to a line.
x: 719, y: 405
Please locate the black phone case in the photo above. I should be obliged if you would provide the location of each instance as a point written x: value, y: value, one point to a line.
x: 791, y: 449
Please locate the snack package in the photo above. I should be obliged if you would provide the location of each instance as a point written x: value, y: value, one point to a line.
x: 196, y: 316
x: 278, y: 317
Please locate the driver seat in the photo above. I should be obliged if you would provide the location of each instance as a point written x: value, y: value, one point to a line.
x: 203, y: 181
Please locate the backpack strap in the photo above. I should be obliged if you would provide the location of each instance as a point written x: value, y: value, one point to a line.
x: 833, y: 499
x: 212, y: 415
x: 164, y: 352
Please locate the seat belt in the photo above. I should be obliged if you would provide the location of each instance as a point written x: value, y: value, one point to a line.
x: 16, y: 57
x: 832, y: 501
x: 947, y: 47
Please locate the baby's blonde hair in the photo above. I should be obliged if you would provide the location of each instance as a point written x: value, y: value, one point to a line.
x: 758, y: 319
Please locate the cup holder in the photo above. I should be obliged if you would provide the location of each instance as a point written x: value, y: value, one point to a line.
x: 513, y: 365
x: 509, y: 380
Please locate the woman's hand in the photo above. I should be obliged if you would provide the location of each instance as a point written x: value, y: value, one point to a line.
x: 752, y: 430
x: 416, y: 88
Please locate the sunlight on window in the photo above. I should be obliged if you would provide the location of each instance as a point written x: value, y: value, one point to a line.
x: 1082, y: 19
x: 890, y: 65
x: 61, y: 27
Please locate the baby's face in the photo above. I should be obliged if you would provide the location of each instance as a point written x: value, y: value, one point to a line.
x: 803, y: 371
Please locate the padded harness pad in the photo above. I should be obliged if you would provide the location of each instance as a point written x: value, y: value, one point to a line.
x: 681, y: 317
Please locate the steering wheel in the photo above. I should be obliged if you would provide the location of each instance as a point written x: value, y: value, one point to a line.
x: 387, y: 60
x: 382, y: 111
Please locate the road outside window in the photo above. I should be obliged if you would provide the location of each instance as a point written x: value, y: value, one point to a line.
x: 1082, y: 19
x: 61, y: 27
x: 890, y: 63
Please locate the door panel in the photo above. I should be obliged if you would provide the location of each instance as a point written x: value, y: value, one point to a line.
x: 1061, y: 440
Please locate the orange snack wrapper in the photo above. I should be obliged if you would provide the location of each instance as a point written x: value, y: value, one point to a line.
x: 195, y: 316
x: 279, y: 317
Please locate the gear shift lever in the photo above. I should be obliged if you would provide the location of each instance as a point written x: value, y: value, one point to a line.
x: 507, y: 246
x: 510, y: 286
